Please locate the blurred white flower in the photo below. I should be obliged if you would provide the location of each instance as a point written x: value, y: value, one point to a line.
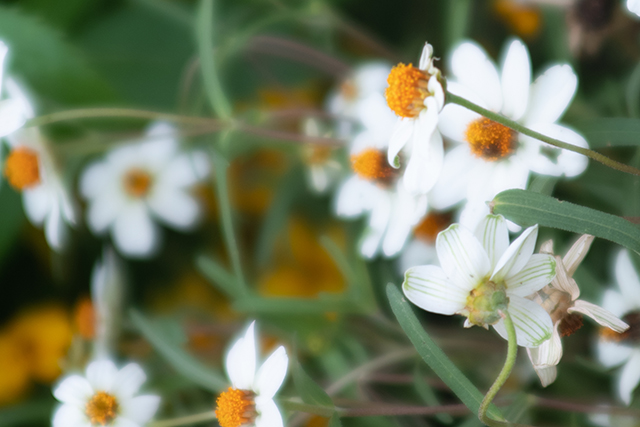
x: 374, y: 190
x: 107, y: 290
x: 421, y: 249
x: 623, y: 349
x: 491, y: 157
x: 416, y: 96
x: 482, y: 275
x: 560, y: 300
x: 12, y: 113
x: 31, y: 169
x: 135, y: 183
x: 323, y: 170
x: 249, y: 400
x: 104, y: 396
x: 634, y: 6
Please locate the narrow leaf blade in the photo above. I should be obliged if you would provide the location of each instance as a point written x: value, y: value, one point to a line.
x: 309, y: 391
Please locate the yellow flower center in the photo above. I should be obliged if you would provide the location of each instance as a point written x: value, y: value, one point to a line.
x: 630, y: 336
x: 235, y: 408
x: 349, y: 90
x: 137, y: 182
x: 485, y: 302
x: 490, y: 140
x: 317, y: 154
x: 102, y: 408
x: 372, y: 165
x: 407, y: 90
x: 427, y: 230
x: 22, y: 169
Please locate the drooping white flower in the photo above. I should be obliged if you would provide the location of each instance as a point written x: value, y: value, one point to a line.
x: 249, y: 400
x: 560, y: 299
x: 416, y: 96
x: 104, y: 396
x: 31, y: 169
x: 139, y: 182
x: 623, y: 349
x: 482, y: 275
x: 107, y: 290
x: 491, y: 157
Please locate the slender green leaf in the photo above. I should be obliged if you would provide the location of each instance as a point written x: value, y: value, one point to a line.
x: 178, y: 358
x: 434, y: 356
x: 218, y: 276
x: 204, y: 37
x: 309, y: 391
x: 334, y: 421
x: 427, y: 394
x: 610, y: 132
x: 527, y: 208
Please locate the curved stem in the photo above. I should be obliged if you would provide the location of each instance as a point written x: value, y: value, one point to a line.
x: 551, y: 141
x: 512, y: 351
x: 187, y: 420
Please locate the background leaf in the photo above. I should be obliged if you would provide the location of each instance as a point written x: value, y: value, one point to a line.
x: 309, y: 391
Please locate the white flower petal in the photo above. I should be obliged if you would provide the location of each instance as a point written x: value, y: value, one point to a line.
x: 406, y: 212
x: 74, y: 390
x: 517, y: 255
x: 634, y: 6
x: 563, y: 282
x: 603, y: 317
x: 271, y: 374
x: 12, y: 116
x: 451, y: 187
x: 377, y: 225
x: 455, y: 119
x: 629, y: 377
x: 550, y: 95
x: 417, y: 252
x: 241, y: 360
x: 124, y: 422
x: 549, y: 352
x: 269, y: 414
x: 576, y: 253
x: 492, y: 232
x: 472, y: 68
x: 547, y: 160
x: 175, y: 208
x: 402, y: 133
x: 532, y: 323
x: 102, y: 375
x: 134, y: 233
x: 428, y: 287
x: 616, y: 303
x: 462, y: 257
x: 140, y: 409
x: 425, y: 57
x: 70, y: 416
x: 104, y: 210
x: 547, y: 374
x: 538, y: 272
x: 425, y: 163
x: 611, y: 354
x: 54, y: 227
x: 472, y: 213
x: 129, y: 380
x: 516, y: 78
x: 37, y: 203
x: 356, y: 196
x: 185, y: 170
x: 627, y: 278
x: 94, y: 179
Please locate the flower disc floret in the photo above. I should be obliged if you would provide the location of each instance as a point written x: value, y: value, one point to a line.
x: 407, y: 90
x: 22, y: 169
x: 485, y: 303
x: 490, y: 140
x: 137, y: 182
x: 102, y: 409
x: 371, y: 164
x: 235, y: 408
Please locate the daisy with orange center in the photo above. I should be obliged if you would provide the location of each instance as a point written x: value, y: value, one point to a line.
x: 104, y: 396
x: 416, y: 96
x: 490, y: 157
x: 249, y: 400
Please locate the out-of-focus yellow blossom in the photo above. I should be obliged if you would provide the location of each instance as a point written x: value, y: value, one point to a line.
x: 84, y: 318
x: 523, y: 19
x: 302, y: 267
x: 14, y: 381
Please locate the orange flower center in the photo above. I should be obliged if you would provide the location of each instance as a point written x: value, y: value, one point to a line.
x: 630, y: 336
x: 102, y: 408
x: 235, y: 408
x: 427, y: 230
x: 317, y: 154
x: 407, y: 90
x: 22, y: 169
x: 137, y: 182
x: 490, y: 140
x: 349, y: 90
x: 371, y: 164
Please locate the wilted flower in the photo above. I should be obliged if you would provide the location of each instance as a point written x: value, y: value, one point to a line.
x: 623, y: 349
x: 104, y: 396
x: 492, y: 157
x: 483, y: 275
x: 560, y: 299
x: 249, y: 400
x: 138, y: 182
x: 416, y: 95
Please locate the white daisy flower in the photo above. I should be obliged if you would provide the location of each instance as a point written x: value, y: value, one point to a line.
x: 104, y: 396
x: 12, y: 113
x: 483, y: 275
x: 323, y: 170
x: 139, y: 182
x: 107, y: 288
x: 491, y: 157
x: 421, y: 249
x: 416, y: 96
x: 623, y: 349
x: 249, y: 400
x: 31, y: 169
x: 374, y: 190
x: 560, y: 300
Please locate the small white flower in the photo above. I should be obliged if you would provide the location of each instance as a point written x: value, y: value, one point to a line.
x: 623, y: 349
x: 31, y: 169
x: 560, y: 299
x: 107, y: 289
x: 416, y: 96
x: 104, y: 396
x: 482, y: 275
x: 634, y: 6
x: 491, y: 157
x: 137, y: 182
x: 249, y: 400
x: 323, y: 170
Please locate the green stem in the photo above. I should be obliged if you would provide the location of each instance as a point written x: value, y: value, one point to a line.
x: 296, y: 406
x: 551, y: 141
x: 182, y: 421
x: 512, y: 351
